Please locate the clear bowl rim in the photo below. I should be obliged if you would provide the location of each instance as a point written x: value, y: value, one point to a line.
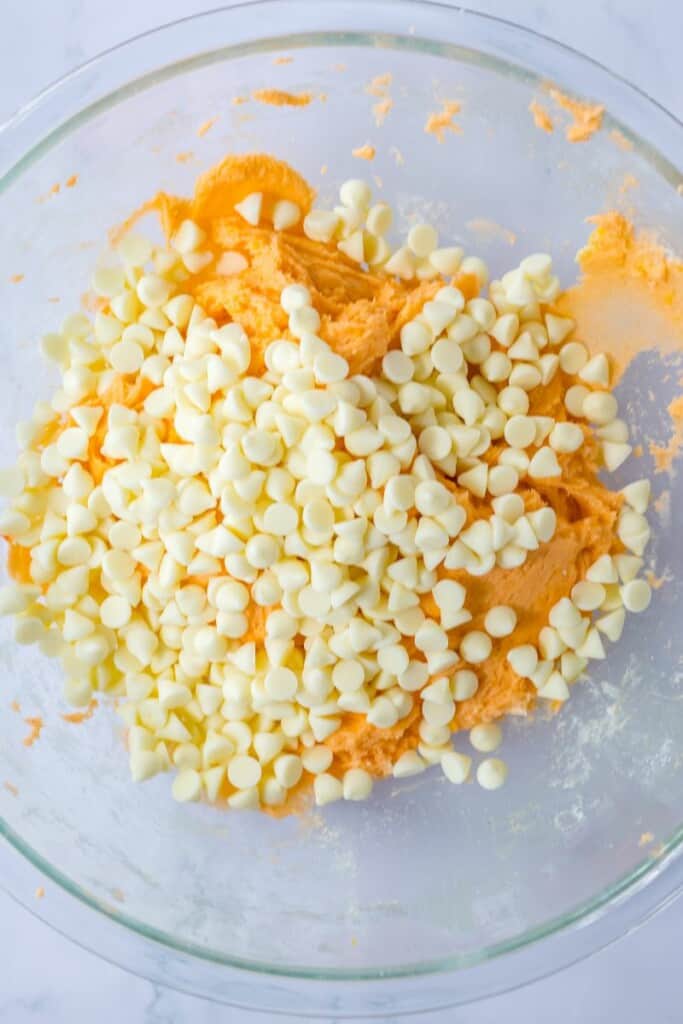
x: 650, y: 869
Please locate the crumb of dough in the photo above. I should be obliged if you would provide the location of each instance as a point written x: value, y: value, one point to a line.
x: 280, y: 98
x: 587, y: 117
x: 542, y: 118
x: 488, y: 231
x: 16, y: 278
x: 206, y: 126
x: 184, y: 157
x: 398, y: 156
x: 630, y: 181
x: 646, y: 838
x: 283, y: 60
x: 441, y: 122
x: 365, y: 152
x: 36, y: 726
x: 70, y: 182
x: 91, y: 302
x: 657, y: 582
x: 118, y: 895
x: 662, y: 505
x: 16, y: 707
x: 53, y: 191
x: 76, y: 717
x: 664, y: 455
x: 339, y: 67
x: 11, y: 788
x: 54, y: 298
x: 323, y: 170
x: 382, y: 109
x: 237, y: 101
x: 378, y: 85
x: 40, y: 892
x: 620, y: 140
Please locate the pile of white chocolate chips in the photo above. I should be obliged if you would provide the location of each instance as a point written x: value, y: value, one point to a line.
x: 320, y: 498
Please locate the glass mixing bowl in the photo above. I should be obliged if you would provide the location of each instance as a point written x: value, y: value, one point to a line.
x: 429, y: 894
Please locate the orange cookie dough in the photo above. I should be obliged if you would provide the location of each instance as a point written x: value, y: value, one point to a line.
x: 630, y: 294
x: 362, y: 313
x: 586, y: 117
x: 440, y: 122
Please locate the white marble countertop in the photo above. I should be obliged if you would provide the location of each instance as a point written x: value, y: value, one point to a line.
x: 44, y: 979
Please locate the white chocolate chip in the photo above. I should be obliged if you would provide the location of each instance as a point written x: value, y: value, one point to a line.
x: 544, y: 464
x: 587, y: 595
x: 286, y: 214
x: 486, y: 738
x: 633, y: 531
x: 555, y: 688
x: 500, y: 621
x: 558, y: 328
x: 592, y: 646
x: 603, y: 570
x: 356, y: 785
x: 355, y: 193
x: 321, y: 225
x: 636, y: 595
x: 566, y: 437
x: 600, y: 407
x: 637, y: 495
x: 475, y: 647
x: 492, y: 773
x: 595, y: 371
x: 465, y: 684
x: 523, y: 659
x: 573, y: 357
x: 327, y: 789
x: 422, y: 240
x: 455, y: 766
x: 187, y: 786
x: 520, y: 431
x: 244, y: 771
x: 614, y: 454
x: 626, y: 567
x: 612, y: 624
x: 446, y: 260
x: 250, y: 209
x: 409, y: 763
x: 574, y: 398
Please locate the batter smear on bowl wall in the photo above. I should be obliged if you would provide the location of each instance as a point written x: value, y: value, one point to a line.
x: 309, y: 504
